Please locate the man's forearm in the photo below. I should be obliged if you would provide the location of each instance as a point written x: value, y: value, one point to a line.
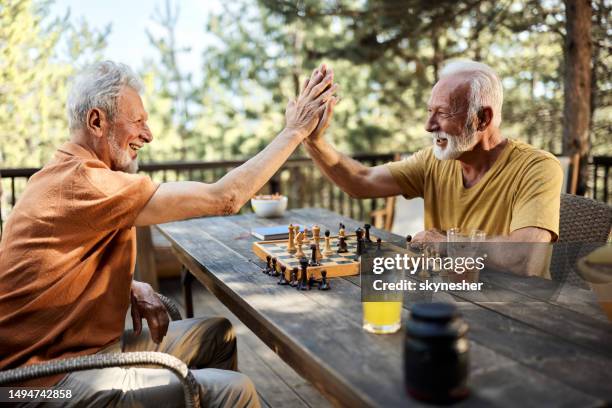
x: 345, y: 172
x: 245, y: 181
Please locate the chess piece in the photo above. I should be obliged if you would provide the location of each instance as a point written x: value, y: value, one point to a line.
x: 313, y: 256
x: 268, y: 265
x: 306, y: 238
x: 291, y: 242
x: 299, y: 241
x: 303, y: 284
x: 327, y: 250
x: 274, y: 271
x: 282, y: 281
x: 408, y: 240
x: 378, y: 244
x: 342, y: 248
x: 341, y: 231
x: 294, y: 282
x: 316, y: 237
x: 324, y: 285
x: 359, y: 233
x: 367, y: 233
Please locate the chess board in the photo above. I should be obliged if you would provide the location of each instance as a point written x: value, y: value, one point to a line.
x: 343, y: 264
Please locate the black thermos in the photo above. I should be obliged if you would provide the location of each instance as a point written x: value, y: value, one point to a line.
x: 436, y: 362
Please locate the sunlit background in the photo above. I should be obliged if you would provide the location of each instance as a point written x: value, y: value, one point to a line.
x: 218, y: 74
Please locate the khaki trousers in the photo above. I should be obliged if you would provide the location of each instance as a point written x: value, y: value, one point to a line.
x: 206, y: 345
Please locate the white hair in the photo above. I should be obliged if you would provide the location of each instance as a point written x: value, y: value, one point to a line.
x: 98, y: 86
x: 485, y: 87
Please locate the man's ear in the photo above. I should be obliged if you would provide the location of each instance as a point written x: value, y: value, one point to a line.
x: 96, y: 122
x: 485, y: 116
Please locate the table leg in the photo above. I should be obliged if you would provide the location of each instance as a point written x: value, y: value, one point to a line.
x: 186, y: 282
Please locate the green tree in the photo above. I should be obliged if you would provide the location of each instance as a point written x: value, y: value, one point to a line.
x: 35, y: 72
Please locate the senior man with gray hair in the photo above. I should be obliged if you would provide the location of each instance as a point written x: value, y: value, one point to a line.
x: 472, y: 177
x: 68, y: 250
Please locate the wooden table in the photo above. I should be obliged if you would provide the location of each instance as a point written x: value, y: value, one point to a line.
x: 528, y: 349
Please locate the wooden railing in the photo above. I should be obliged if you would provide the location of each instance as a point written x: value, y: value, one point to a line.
x: 299, y: 179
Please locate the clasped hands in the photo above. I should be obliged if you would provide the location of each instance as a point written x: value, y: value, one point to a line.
x: 310, y: 112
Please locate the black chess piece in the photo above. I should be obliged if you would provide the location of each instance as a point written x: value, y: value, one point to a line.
x: 282, y: 281
x: 274, y: 271
x: 313, y: 257
x: 378, y: 244
x: 342, y: 248
x: 294, y: 282
x: 367, y: 232
x: 324, y: 285
x: 268, y: 265
x: 303, y: 284
x: 408, y: 238
x: 359, y: 233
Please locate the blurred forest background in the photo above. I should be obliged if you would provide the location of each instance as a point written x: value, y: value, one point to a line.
x: 386, y: 55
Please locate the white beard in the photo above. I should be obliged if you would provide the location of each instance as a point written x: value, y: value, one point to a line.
x: 121, y: 158
x: 455, y: 145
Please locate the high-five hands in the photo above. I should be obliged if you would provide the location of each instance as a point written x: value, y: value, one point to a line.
x: 304, y: 113
x: 325, y: 120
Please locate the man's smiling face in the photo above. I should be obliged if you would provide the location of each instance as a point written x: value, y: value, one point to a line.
x: 448, y: 121
x: 129, y: 132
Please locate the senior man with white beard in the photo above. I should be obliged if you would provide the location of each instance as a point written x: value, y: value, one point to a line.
x: 472, y: 177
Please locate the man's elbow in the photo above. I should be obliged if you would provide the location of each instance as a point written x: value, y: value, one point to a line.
x: 230, y: 203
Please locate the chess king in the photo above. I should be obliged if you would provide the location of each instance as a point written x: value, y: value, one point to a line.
x: 68, y: 249
x: 471, y: 177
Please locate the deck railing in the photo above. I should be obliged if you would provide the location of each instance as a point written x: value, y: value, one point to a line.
x: 299, y: 179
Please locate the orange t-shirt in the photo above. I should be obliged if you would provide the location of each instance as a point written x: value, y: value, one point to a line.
x: 67, y: 257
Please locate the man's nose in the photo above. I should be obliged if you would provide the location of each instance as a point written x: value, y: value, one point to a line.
x: 431, y: 125
x: 146, y: 134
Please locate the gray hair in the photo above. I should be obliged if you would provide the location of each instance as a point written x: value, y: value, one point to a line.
x: 98, y: 86
x: 485, y: 87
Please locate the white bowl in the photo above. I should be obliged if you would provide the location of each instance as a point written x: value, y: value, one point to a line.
x: 270, y: 207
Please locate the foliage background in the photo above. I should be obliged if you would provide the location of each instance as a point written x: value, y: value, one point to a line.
x: 386, y: 55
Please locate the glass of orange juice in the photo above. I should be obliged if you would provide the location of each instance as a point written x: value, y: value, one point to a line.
x: 382, y: 317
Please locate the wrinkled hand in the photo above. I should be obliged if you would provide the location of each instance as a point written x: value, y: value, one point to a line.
x: 303, y: 114
x: 145, y: 303
x: 325, y: 120
x: 430, y: 238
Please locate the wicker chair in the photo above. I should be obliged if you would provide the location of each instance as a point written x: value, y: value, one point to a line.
x: 104, y: 360
x: 584, y: 225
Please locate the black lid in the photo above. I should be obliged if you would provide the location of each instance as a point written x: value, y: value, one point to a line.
x: 434, y: 312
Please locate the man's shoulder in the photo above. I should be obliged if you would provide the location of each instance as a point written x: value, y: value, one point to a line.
x: 527, y: 154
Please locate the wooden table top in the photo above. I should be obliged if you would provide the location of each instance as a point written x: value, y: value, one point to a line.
x: 529, y: 348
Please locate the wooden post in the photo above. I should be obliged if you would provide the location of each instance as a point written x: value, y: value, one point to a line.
x: 577, y: 85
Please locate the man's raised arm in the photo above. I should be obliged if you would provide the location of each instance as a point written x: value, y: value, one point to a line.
x: 181, y: 200
x: 352, y: 177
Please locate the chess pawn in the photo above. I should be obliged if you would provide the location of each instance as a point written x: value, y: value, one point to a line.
x: 294, y: 282
x: 306, y: 238
x: 367, y: 233
x: 282, y: 281
x: 268, y: 265
x: 327, y: 250
x: 291, y: 242
x: 274, y: 272
x: 324, y: 285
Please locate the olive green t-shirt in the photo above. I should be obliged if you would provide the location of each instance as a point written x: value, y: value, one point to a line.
x: 521, y: 189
